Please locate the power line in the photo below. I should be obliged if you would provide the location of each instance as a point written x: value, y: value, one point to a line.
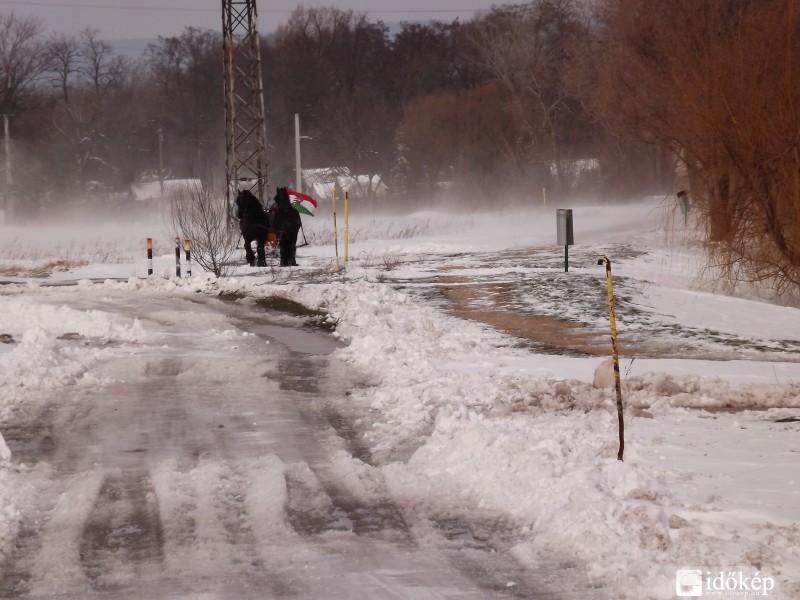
x: 106, y: 7
x: 215, y: 10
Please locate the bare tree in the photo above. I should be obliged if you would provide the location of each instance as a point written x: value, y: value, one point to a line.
x: 425, y: 59
x: 185, y: 96
x: 201, y: 216
x: 469, y: 137
x: 332, y: 67
x: 100, y: 66
x: 85, y: 74
x: 64, y: 58
x: 527, y: 48
x: 23, y: 60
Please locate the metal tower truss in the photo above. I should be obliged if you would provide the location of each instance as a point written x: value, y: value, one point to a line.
x: 246, y: 164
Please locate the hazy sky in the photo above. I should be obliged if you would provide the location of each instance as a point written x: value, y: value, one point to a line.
x: 121, y: 19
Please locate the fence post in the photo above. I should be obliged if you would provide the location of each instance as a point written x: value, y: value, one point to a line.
x: 187, y: 246
x: 177, y: 257
x: 604, y: 261
x: 149, y: 256
x: 346, y: 227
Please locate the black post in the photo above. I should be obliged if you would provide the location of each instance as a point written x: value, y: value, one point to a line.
x: 177, y: 257
x: 564, y: 233
x: 187, y: 246
x: 149, y: 256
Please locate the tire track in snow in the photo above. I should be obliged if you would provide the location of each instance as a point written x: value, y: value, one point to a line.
x: 317, y: 501
x: 16, y: 568
x: 122, y: 540
x: 56, y: 567
x: 209, y: 529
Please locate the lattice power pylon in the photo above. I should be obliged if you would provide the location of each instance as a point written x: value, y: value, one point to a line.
x: 246, y: 164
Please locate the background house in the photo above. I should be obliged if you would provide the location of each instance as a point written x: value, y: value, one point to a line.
x: 320, y: 183
x: 150, y: 191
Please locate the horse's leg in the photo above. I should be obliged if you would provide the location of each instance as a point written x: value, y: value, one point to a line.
x: 262, y: 257
x: 285, y: 247
x: 248, y: 251
x: 293, y: 249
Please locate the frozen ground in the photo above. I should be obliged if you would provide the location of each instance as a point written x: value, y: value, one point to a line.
x: 474, y: 355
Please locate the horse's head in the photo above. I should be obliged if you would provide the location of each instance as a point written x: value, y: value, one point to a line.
x: 282, y: 197
x: 245, y: 197
x: 248, y: 207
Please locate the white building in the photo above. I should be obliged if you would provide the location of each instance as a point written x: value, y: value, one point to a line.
x: 320, y: 183
x: 150, y: 191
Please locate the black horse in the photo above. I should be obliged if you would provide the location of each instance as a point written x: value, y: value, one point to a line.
x: 286, y: 221
x: 254, y: 225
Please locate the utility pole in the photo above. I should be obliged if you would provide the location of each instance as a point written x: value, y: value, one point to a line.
x: 298, y: 176
x: 9, y: 174
x: 246, y: 164
x: 161, y: 169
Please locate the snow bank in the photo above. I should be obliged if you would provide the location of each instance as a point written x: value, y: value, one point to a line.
x: 542, y: 452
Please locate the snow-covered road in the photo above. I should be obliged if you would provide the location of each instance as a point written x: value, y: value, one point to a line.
x: 160, y: 447
x: 195, y: 469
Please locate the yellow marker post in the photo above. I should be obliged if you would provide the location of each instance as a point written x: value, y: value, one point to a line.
x: 346, y: 228
x: 604, y: 261
x: 335, y: 233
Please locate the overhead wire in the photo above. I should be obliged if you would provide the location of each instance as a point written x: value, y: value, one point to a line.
x: 163, y: 8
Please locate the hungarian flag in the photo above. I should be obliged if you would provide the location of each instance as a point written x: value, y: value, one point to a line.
x: 302, y: 203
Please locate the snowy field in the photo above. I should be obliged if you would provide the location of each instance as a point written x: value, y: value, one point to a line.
x: 479, y: 356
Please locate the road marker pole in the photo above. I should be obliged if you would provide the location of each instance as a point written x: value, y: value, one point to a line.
x: 187, y: 247
x: 177, y: 257
x: 149, y: 256
x: 346, y: 226
x: 604, y: 261
x: 335, y: 232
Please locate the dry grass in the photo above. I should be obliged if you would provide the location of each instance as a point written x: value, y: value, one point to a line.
x: 41, y: 270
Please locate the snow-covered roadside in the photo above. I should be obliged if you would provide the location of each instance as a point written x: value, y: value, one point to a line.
x: 461, y: 422
x: 489, y: 438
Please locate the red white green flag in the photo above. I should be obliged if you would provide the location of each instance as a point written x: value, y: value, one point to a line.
x: 302, y: 203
